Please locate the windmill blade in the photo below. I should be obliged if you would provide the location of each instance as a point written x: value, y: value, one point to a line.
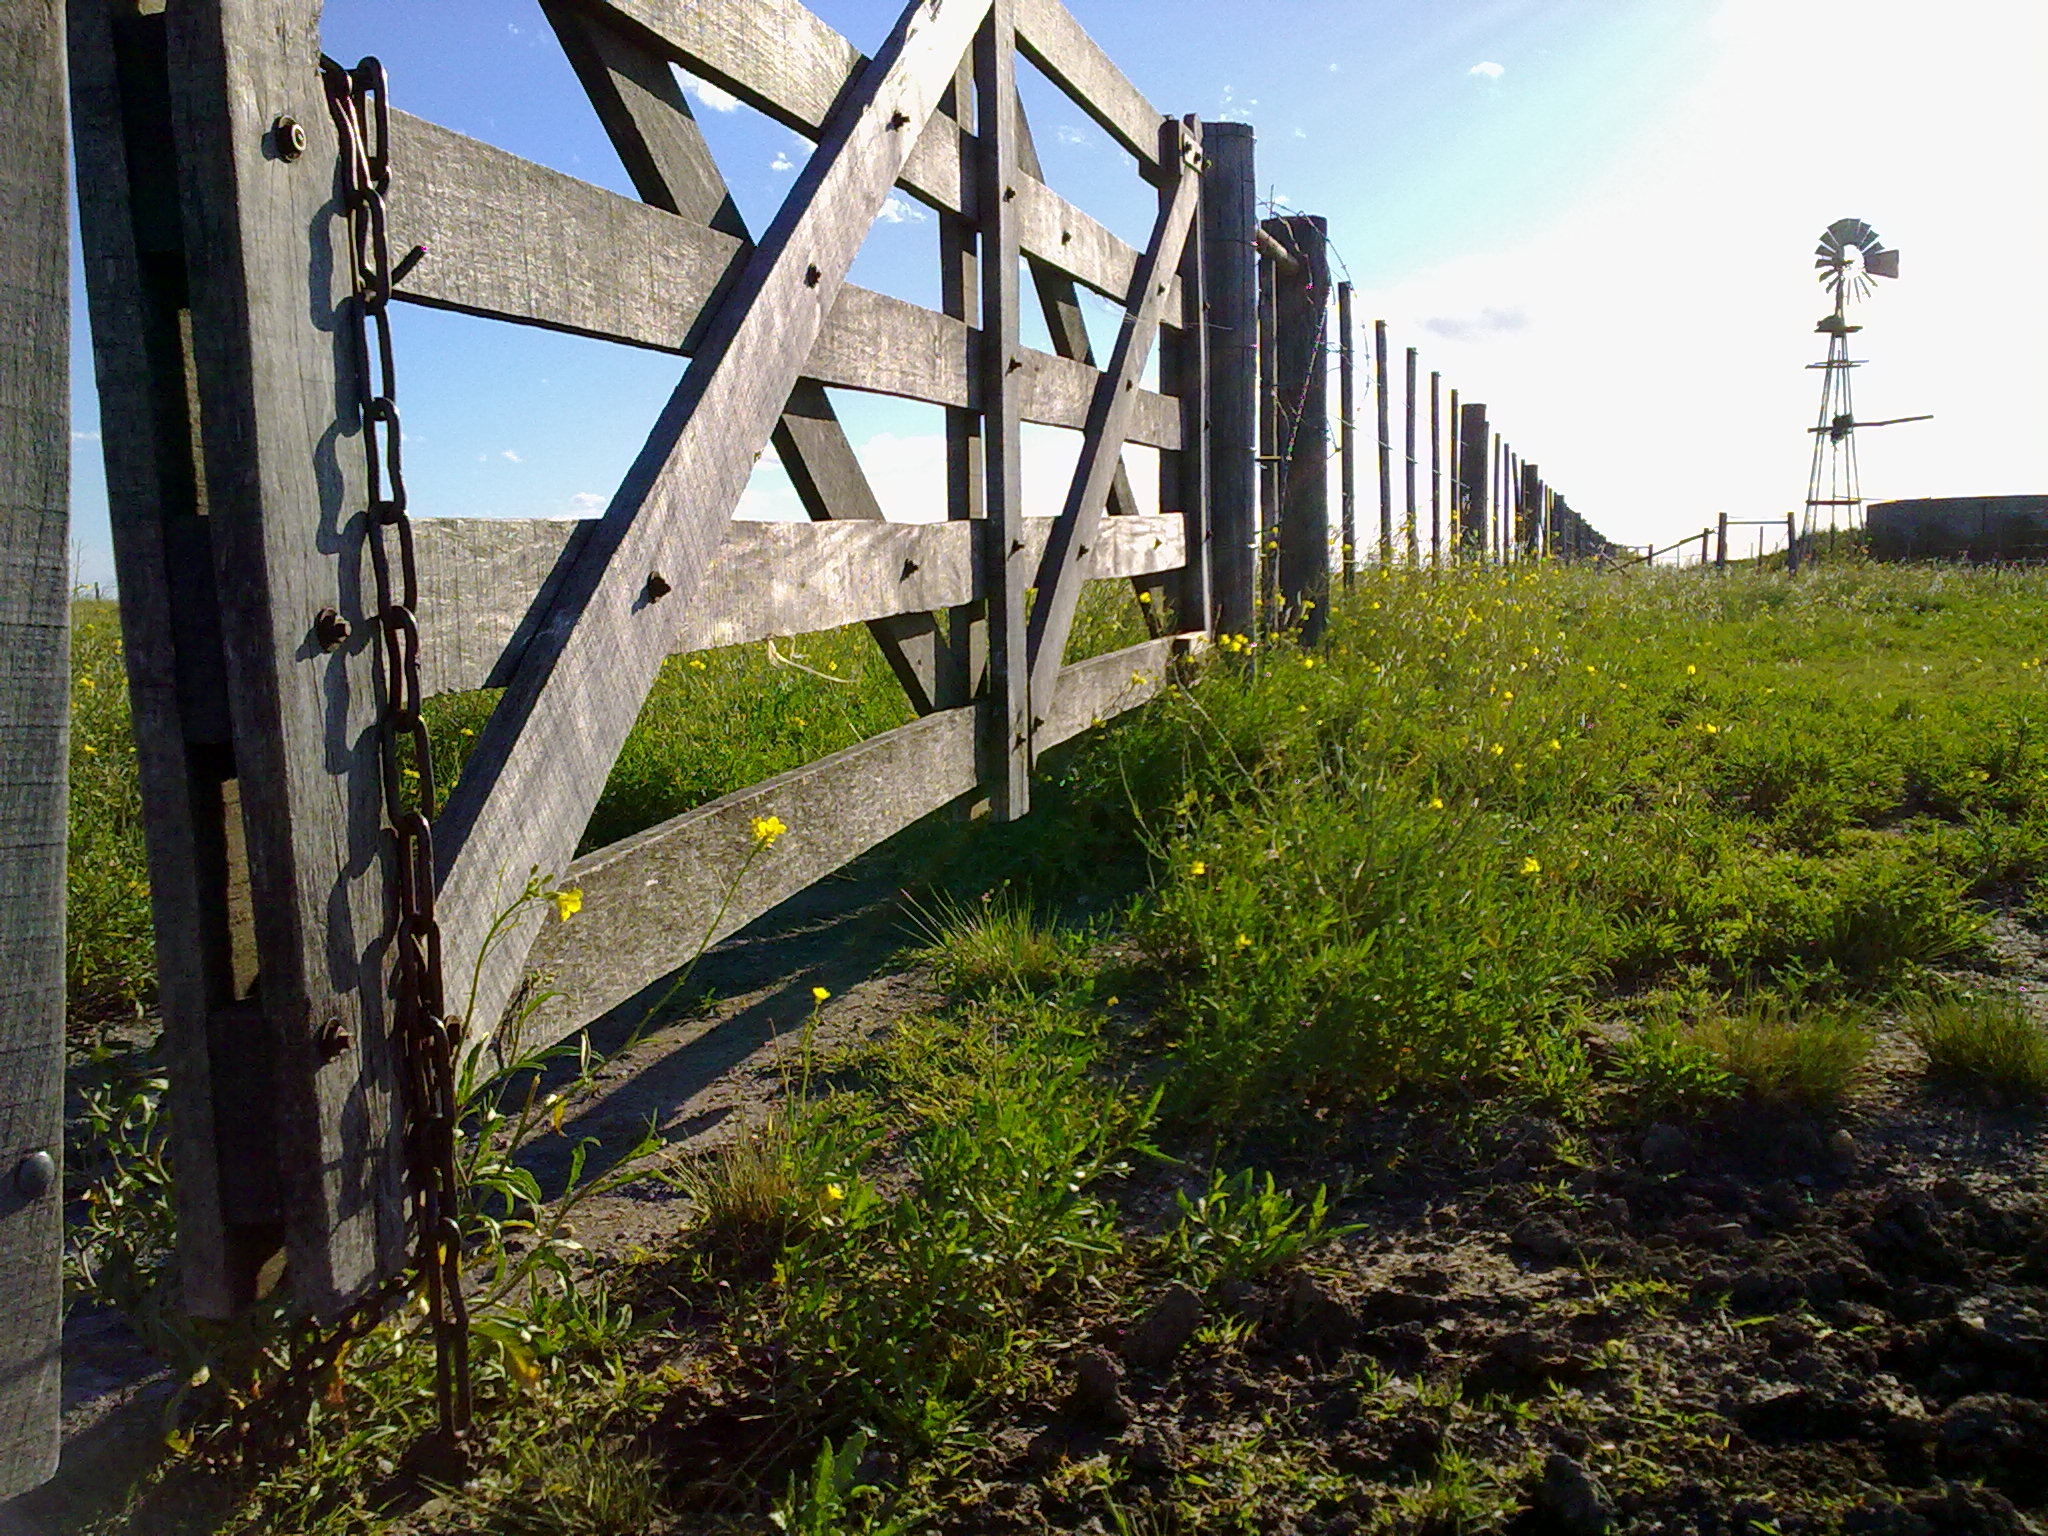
x: 1881, y: 263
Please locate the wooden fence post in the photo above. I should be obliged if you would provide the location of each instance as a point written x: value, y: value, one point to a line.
x: 1301, y: 379
x: 1791, y: 542
x: 1721, y: 542
x: 1269, y: 437
x: 1379, y: 347
x: 1436, y: 470
x: 1347, y: 438
x: 1454, y: 469
x: 1528, y: 528
x: 35, y: 673
x: 1231, y: 268
x: 1473, y: 434
x: 1411, y: 528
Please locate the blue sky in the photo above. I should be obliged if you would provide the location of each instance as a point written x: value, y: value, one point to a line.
x: 1597, y: 215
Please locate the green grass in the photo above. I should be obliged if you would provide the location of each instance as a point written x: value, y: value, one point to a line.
x: 1745, y: 815
x: 1992, y: 1042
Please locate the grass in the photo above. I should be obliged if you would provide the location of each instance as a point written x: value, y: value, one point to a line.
x: 1989, y: 1041
x: 1741, y: 816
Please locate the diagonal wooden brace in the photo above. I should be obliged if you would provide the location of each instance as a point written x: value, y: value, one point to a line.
x: 1064, y: 568
x: 542, y: 760
x: 656, y: 135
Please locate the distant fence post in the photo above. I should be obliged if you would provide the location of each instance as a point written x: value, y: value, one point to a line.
x: 1436, y: 469
x: 1473, y: 433
x: 1230, y: 222
x: 1411, y: 532
x: 1347, y: 438
x: 1721, y: 542
x: 1530, y: 511
x: 1269, y: 432
x: 1301, y: 379
x: 35, y: 673
x: 1379, y: 374
x: 1791, y: 542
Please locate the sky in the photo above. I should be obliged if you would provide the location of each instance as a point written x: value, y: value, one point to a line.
x: 1597, y: 216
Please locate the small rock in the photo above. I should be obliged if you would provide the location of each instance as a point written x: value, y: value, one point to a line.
x: 1154, y: 1449
x: 1569, y: 1494
x: 1532, y: 1354
x: 1098, y: 1388
x: 1958, y: 1509
x: 1544, y: 1237
x: 1881, y: 1517
x: 1242, y: 1299
x: 1318, y: 1323
x: 1995, y: 1436
x: 1752, y: 1515
x: 1159, y: 1335
x: 1667, y: 1148
x: 1416, y: 1443
x: 1842, y: 1150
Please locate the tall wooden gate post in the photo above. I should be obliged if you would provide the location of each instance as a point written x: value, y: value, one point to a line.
x: 1347, y: 439
x: 1379, y: 389
x: 1230, y: 260
x: 35, y: 673
x: 217, y: 270
x: 1301, y: 381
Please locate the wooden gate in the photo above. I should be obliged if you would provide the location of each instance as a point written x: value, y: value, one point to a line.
x: 217, y: 275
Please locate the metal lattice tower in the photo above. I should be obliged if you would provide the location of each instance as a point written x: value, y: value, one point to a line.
x: 1848, y: 260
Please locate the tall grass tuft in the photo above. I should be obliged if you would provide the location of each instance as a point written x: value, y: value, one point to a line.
x: 1992, y: 1042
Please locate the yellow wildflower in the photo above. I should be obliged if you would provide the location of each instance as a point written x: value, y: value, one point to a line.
x: 1497, y: 749
x: 767, y: 829
x: 1198, y: 868
x: 1244, y: 941
x: 819, y: 994
x: 1691, y: 670
x: 1436, y: 802
x: 697, y: 663
x: 1530, y: 866
x: 567, y: 902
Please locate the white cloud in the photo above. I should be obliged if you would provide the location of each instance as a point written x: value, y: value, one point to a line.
x: 781, y: 162
x: 85, y: 437
x: 587, y: 503
x: 509, y: 454
x: 1489, y: 321
x: 897, y: 210
x: 710, y: 95
x: 1487, y: 69
x: 1066, y: 133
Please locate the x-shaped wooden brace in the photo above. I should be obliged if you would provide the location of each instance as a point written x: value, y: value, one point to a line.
x: 542, y: 760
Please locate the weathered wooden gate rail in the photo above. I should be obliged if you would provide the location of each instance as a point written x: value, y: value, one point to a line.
x: 217, y: 275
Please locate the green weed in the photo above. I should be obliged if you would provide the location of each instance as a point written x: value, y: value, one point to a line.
x: 1989, y: 1041
x: 1240, y: 1228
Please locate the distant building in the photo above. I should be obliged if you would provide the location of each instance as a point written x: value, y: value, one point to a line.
x: 1973, y: 528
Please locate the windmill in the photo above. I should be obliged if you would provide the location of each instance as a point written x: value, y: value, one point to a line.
x: 1849, y: 260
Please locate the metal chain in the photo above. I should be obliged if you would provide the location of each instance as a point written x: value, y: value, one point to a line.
x: 426, y: 1044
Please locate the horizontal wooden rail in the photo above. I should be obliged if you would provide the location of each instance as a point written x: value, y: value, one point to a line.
x: 486, y: 583
x: 650, y: 901
x: 797, y: 76
x: 507, y: 239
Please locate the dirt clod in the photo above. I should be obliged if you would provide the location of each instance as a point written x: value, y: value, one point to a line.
x: 1098, y: 1393
x: 1569, y: 1494
x: 1161, y: 1333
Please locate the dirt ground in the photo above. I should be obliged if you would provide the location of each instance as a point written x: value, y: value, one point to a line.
x: 1759, y: 1323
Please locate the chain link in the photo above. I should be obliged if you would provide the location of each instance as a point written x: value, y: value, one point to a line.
x: 426, y: 1043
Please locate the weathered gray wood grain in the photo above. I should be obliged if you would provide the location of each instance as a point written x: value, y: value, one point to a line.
x: 35, y: 691
x: 133, y: 256
x: 511, y: 240
x: 284, y: 498
x: 789, y: 74
x: 1005, y: 749
x: 652, y: 901
x: 655, y: 134
x: 487, y: 583
x: 1052, y: 39
x: 542, y: 759
x: 1076, y: 534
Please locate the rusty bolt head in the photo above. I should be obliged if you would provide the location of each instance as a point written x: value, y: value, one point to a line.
x: 812, y: 277
x: 657, y: 587
x: 35, y: 1175
x: 288, y: 135
x: 334, y: 1040
x: 331, y: 630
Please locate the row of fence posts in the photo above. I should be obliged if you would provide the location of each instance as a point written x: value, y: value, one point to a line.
x: 1270, y: 428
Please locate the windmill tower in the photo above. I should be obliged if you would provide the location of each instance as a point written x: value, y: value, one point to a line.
x: 1848, y: 260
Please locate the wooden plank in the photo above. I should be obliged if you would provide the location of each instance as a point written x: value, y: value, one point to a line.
x: 35, y: 691
x: 135, y: 270
x: 966, y: 654
x: 486, y: 584
x: 265, y: 254
x: 1065, y: 566
x: 1005, y: 748
x: 652, y: 901
x: 650, y: 125
x: 783, y: 63
x: 1230, y: 277
x: 543, y: 758
x: 1051, y: 38
x: 511, y: 240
